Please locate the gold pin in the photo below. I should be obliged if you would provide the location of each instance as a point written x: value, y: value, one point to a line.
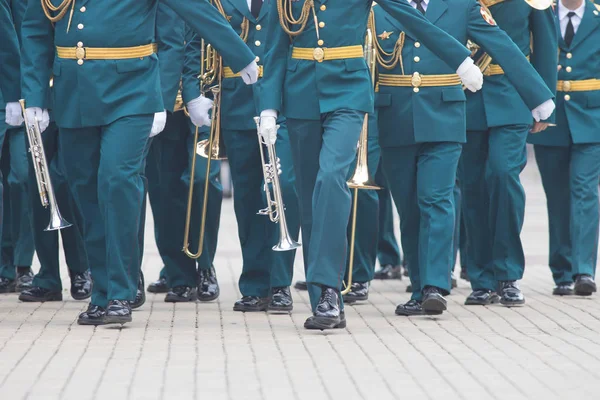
x: 385, y: 35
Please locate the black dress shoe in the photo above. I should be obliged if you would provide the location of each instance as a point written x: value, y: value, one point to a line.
x: 181, y: 294
x: 413, y: 307
x: 510, y: 294
x: 37, y: 294
x: 328, y: 314
x: 94, y: 315
x: 463, y: 274
x: 140, y: 294
x: 7, y: 285
x: 81, y: 286
x: 563, y: 289
x: 281, y: 300
x: 159, y: 286
x: 409, y: 288
x: 24, y: 280
x: 388, y: 271
x: 433, y: 302
x: 358, y: 292
x: 301, y: 285
x: 208, y: 286
x: 118, y: 312
x: 482, y: 297
x: 251, y: 304
x: 584, y: 285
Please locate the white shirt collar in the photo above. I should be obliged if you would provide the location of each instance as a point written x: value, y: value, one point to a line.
x: 563, y: 11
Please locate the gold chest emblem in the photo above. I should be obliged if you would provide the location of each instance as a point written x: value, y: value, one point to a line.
x: 385, y: 35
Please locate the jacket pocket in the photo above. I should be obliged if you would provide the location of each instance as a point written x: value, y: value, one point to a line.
x: 134, y: 64
x: 593, y: 99
x: 453, y: 94
x: 355, y: 64
x: 383, y: 100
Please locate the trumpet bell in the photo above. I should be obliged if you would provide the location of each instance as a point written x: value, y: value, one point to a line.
x: 202, y: 150
x: 362, y: 180
x: 286, y: 244
x: 539, y: 4
x: 57, y: 222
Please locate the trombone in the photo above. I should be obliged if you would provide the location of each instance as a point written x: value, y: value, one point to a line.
x: 211, y: 73
x: 275, y: 208
x: 361, y: 178
x: 42, y: 173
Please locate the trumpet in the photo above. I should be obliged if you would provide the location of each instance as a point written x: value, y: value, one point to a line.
x: 42, y: 173
x: 361, y: 178
x: 275, y: 208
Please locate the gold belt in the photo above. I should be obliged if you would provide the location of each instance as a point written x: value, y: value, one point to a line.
x: 228, y: 72
x: 495, y: 69
x: 417, y: 80
x: 105, y: 53
x: 321, y: 54
x: 578, y: 86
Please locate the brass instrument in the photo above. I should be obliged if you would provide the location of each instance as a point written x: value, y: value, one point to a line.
x: 42, y: 173
x: 275, y: 208
x: 361, y: 178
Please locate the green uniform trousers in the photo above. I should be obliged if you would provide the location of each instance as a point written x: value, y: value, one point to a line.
x: 168, y: 171
x: 570, y: 180
x: 104, y: 167
x: 323, y: 152
x: 6, y: 270
x: 494, y: 204
x: 388, y: 251
x: 263, y: 268
x: 422, y: 186
x: 46, y: 243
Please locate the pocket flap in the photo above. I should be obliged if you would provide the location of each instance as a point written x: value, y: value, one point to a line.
x: 453, y: 94
x: 134, y: 64
x: 383, y: 99
x: 292, y: 64
x: 593, y: 99
x: 355, y: 64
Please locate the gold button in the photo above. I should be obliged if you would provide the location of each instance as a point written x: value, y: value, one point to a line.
x: 417, y: 45
x: 569, y: 55
x: 258, y: 27
x: 417, y: 59
x: 320, y: 42
x: 568, y: 69
x: 257, y: 43
x: 323, y: 7
x: 567, y: 97
x: 80, y: 62
x: 321, y: 24
x: 82, y: 9
x: 79, y: 44
x: 80, y: 26
x: 416, y: 90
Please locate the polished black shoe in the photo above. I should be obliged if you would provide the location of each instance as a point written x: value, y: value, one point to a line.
x: 208, y: 286
x: 181, y: 294
x: 118, y: 312
x: 510, y: 294
x: 359, y: 291
x: 94, y: 315
x: 37, y: 294
x: 584, y: 285
x: 81, y: 286
x: 159, y: 286
x: 433, y: 302
x: 328, y: 314
x: 413, y: 307
x: 140, y: 295
x: 24, y: 280
x: 564, y: 289
x: 7, y: 285
x: 388, y: 272
x: 482, y: 297
x: 463, y: 274
x: 281, y: 300
x: 301, y: 285
x: 409, y: 288
x: 251, y: 304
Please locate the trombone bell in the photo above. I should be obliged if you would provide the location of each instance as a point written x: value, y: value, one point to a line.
x: 202, y: 150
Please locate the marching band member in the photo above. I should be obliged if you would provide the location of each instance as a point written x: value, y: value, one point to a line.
x: 498, y: 121
x: 420, y: 156
x: 568, y: 155
x: 323, y: 87
x: 107, y: 102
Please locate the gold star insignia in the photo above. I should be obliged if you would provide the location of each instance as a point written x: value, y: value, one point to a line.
x: 385, y: 35
x: 228, y: 17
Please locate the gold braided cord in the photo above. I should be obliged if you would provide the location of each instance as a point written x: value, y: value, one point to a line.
x: 388, y: 60
x: 286, y: 17
x: 245, y: 23
x: 61, y: 9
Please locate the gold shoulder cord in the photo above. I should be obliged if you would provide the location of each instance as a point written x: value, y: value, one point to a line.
x: 286, y: 17
x: 61, y: 10
x: 388, y: 60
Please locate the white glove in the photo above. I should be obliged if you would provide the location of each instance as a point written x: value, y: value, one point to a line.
x: 198, y: 110
x: 42, y: 116
x: 543, y: 111
x: 250, y: 73
x: 470, y: 75
x: 268, y: 126
x: 14, y: 116
x: 158, y: 125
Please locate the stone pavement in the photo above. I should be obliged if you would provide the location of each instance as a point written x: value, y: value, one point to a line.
x: 549, y: 349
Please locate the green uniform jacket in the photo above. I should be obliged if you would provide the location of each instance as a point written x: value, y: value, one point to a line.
x: 99, y: 92
x: 578, y: 118
x: 305, y: 89
x: 437, y: 114
x: 9, y: 57
x: 236, y: 108
x: 500, y: 102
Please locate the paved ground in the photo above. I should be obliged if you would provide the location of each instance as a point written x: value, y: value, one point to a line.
x: 549, y: 349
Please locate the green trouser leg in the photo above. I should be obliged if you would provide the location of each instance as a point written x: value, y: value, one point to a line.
x: 462, y: 246
x: 388, y: 251
x: 367, y: 227
x: 572, y: 214
x: 422, y: 188
x: 142, y: 225
x: 457, y: 214
x: 46, y: 242
x: 7, y: 268
x: 283, y: 261
x: 323, y: 152
x: 103, y: 166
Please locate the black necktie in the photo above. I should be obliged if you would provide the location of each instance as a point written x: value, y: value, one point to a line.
x: 255, y: 8
x: 570, y: 31
x: 420, y: 6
